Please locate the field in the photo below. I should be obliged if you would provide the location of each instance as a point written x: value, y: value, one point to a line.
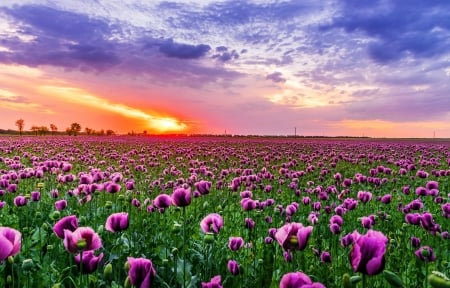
x: 231, y: 212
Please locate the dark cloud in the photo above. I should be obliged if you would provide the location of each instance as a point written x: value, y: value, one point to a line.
x: 183, y: 51
x: 59, y: 38
x: 224, y: 55
x: 14, y: 99
x: 398, y: 28
x: 276, y: 77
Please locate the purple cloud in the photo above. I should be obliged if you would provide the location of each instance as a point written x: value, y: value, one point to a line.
x: 183, y: 51
x: 276, y: 77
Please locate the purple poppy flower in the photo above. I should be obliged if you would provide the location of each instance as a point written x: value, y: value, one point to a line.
x: 90, y: 261
x: 446, y: 210
x: 336, y: 219
x: 367, y: 222
x: 10, y: 242
x: 203, y: 187
x: 212, y: 223
x: 298, y: 280
x: 287, y: 255
x: 111, y: 187
x: 367, y: 254
x: 20, y: 201
x: 215, y: 282
x: 426, y: 254
x: 235, y: 243
x: 35, y: 196
x: 364, y: 196
x: 335, y: 228
x: 248, y: 204
x: 141, y: 272
x: 415, y: 242
x: 293, y: 236
x: 432, y: 185
x: 413, y: 218
x: 162, y: 201
x: 249, y: 223
x: 82, y: 239
x: 60, y: 205
x: 117, y: 222
x: 233, y: 267
x: 65, y: 223
x: 181, y: 197
x: 386, y: 199
x: 325, y: 257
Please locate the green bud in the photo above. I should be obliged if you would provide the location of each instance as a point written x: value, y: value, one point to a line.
x: 81, y: 244
x: 40, y: 185
x: 393, y: 279
x: 50, y: 247
x: 100, y: 229
x: 127, y: 266
x: 27, y: 264
x: 175, y: 251
x: 209, y: 237
x: 27, y: 196
x: 121, y: 197
x: 165, y: 261
x: 127, y: 283
x: 108, y: 204
x: 55, y: 215
x: 108, y: 271
x: 9, y: 279
x: 260, y: 261
x: 355, y: 279
x: 11, y: 260
x: 205, y: 205
x: 346, y: 283
x: 176, y: 227
x: 45, y: 226
x: 438, y: 280
x: 38, y: 215
x: 219, y: 207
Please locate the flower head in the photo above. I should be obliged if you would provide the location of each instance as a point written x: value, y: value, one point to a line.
x: 235, y: 243
x: 162, y: 201
x: 10, y: 242
x: 298, y: 280
x: 181, y: 197
x: 141, y: 272
x: 67, y: 223
x: 82, y: 239
x: 426, y: 254
x: 212, y: 223
x: 215, y: 282
x: 293, y: 236
x: 90, y: 261
x: 367, y: 254
x: 117, y: 222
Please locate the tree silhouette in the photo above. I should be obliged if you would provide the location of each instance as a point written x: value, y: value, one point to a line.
x: 75, y: 128
x: 53, y: 128
x: 20, y: 124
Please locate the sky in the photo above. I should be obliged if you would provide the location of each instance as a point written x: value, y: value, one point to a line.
x: 374, y: 68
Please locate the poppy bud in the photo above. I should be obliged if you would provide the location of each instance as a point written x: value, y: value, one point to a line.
x: 27, y: 264
x: 108, y: 271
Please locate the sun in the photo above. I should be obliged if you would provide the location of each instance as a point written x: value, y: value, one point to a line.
x: 166, y: 124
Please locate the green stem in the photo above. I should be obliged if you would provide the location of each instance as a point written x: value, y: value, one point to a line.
x: 364, y: 281
x: 184, y: 246
x: 81, y: 269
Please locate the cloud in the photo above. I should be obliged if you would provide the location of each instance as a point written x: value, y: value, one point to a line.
x: 397, y: 29
x: 276, y: 77
x: 183, y: 51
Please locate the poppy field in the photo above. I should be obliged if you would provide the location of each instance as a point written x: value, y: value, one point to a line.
x: 223, y: 212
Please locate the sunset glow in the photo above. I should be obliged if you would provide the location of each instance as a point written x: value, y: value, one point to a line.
x: 260, y: 67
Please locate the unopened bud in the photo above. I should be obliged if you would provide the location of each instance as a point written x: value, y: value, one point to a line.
x: 27, y: 264
x: 108, y: 271
x: 209, y: 237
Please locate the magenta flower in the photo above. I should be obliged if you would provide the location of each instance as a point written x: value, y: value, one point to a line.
x: 35, y: 196
x: 141, y: 272
x: 90, y: 261
x: 117, y: 222
x: 446, y: 210
x: 60, y: 205
x: 235, y: 243
x: 66, y: 223
x: 215, y: 282
x: 325, y: 257
x: 203, y: 187
x: 367, y: 254
x: 364, y: 196
x: 20, y: 201
x: 293, y: 236
x: 233, y: 267
x: 298, y: 280
x: 212, y: 223
x: 10, y: 242
x: 82, y: 239
x: 162, y: 201
x: 181, y: 197
x: 426, y: 254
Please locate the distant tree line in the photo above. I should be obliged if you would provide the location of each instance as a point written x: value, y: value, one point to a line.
x: 74, y: 130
